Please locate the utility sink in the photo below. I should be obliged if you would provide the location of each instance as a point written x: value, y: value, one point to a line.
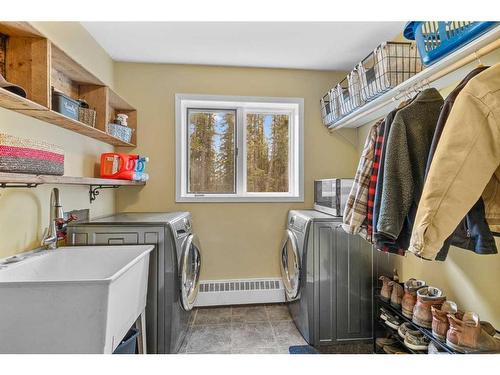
x: 72, y: 299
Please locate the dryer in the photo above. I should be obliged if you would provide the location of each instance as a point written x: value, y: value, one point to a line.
x: 327, y: 277
x: 174, y: 271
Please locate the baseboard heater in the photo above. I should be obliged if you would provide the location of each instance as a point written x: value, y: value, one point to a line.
x: 240, y: 292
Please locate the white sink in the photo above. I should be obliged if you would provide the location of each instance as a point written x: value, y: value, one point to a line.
x: 72, y: 299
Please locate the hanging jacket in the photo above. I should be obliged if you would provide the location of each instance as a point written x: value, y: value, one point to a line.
x: 389, y: 247
x: 408, y: 146
x: 373, y: 180
x: 356, y: 205
x: 465, y: 167
x: 473, y: 232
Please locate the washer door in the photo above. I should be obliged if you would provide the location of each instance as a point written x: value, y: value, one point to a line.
x: 290, y: 266
x: 190, y: 271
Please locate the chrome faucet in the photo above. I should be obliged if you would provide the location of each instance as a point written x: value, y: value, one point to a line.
x: 49, y: 240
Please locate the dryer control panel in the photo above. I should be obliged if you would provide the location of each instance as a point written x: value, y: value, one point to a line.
x: 182, y: 227
x: 297, y: 223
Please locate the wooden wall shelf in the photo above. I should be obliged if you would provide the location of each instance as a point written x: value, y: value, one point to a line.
x: 19, y: 180
x: 38, y: 65
x: 7, y: 179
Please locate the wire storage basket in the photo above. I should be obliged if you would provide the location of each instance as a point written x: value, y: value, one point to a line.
x: 330, y: 110
x: 436, y: 39
x: 389, y: 65
x: 349, y: 93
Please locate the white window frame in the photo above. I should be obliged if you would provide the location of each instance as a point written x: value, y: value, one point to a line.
x: 243, y: 104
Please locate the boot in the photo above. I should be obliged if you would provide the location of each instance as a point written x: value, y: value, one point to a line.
x: 396, y: 294
x: 467, y: 335
x: 410, y: 296
x: 426, y: 297
x: 440, y: 322
x: 385, y: 293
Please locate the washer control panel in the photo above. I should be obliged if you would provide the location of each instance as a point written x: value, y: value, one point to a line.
x: 297, y: 222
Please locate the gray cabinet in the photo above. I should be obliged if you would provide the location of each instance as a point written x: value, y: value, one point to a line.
x: 344, y: 280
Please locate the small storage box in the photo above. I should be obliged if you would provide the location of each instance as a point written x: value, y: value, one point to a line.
x: 389, y: 65
x: 119, y: 131
x: 436, y: 39
x: 87, y: 116
x: 20, y: 155
x: 65, y: 105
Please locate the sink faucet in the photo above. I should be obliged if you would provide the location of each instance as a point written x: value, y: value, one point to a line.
x: 49, y: 240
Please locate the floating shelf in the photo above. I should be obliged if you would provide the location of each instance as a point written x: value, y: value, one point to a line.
x: 38, y: 65
x: 443, y: 73
x: 19, y: 180
x: 32, y: 179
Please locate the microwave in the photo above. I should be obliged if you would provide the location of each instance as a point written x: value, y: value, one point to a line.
x: 330, y: 195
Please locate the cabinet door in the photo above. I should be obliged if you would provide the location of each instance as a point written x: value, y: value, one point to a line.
x: 354, y: 274
x: 325, y: 280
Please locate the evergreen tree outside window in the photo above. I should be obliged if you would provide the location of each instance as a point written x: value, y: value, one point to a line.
x: 238, y: 148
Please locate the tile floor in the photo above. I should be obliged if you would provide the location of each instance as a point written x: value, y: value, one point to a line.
x: 254, y: 329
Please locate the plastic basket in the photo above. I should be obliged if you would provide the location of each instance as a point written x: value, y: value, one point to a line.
x: 436, y: 39
x: 389, y: 65
x: 330, y: 110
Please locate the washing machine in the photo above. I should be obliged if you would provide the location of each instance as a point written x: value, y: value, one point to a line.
x: 174, y: 268
x: 327, y: 277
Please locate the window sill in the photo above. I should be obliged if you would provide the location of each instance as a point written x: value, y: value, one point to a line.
x: 208, y: 199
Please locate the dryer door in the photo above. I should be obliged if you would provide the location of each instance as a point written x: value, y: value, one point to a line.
x: 290, y: 266
x: 190, y: 271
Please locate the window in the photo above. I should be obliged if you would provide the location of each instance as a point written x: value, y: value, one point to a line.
x: 239, y: 148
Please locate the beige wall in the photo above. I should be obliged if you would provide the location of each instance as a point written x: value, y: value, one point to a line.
x: 239, y: 240
x: 465, y: 277
x: 24, y: 212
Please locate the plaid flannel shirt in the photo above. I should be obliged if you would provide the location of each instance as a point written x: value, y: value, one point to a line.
x: 354, y: 218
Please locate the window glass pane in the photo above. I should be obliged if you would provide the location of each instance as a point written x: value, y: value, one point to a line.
x: 267, y: 152
x: 211, y: 151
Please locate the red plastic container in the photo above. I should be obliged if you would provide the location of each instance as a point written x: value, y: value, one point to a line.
x: 117, y: 165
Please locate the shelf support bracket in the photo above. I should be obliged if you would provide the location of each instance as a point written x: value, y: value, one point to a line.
x: 94, y: 190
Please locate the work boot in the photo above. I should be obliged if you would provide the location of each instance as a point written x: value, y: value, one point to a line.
x: 396, y: 294
x: 410, y: 296
x: 440, y: 322
x: 385, y: 293
x: 426, y: 297
x: 467, y: 335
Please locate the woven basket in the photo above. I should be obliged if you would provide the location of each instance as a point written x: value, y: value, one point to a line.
x: 21, y: 155
x: 87, y: 116
x: 119, y: 131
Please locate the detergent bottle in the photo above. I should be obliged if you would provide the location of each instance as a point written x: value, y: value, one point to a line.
x: 124, y: 166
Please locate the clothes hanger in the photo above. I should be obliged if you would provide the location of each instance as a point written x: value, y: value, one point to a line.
x: 480, y: 64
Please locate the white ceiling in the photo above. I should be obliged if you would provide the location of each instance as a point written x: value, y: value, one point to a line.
x: 299, y: 45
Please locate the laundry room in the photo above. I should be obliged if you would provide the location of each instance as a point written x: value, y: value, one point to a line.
x: 185, y: 184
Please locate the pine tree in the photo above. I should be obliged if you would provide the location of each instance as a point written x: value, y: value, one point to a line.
x: 225, y: 159
x: 202, y: 153
x: 278, y: 173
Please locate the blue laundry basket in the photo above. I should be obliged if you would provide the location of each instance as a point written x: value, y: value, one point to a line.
x: 129, y: 343
x: 436, y: 39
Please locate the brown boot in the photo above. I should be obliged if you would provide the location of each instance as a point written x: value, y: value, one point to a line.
x: 385, y: 293
x: 426, y: 297
x: 396, y: 294
x: 440, y: 322
x: 410, y: 296
x: 466, y: 335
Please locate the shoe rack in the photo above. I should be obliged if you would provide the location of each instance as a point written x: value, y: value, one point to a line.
x: 383, y: 329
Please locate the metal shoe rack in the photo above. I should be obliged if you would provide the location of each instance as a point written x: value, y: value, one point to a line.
x: 441, y: 345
